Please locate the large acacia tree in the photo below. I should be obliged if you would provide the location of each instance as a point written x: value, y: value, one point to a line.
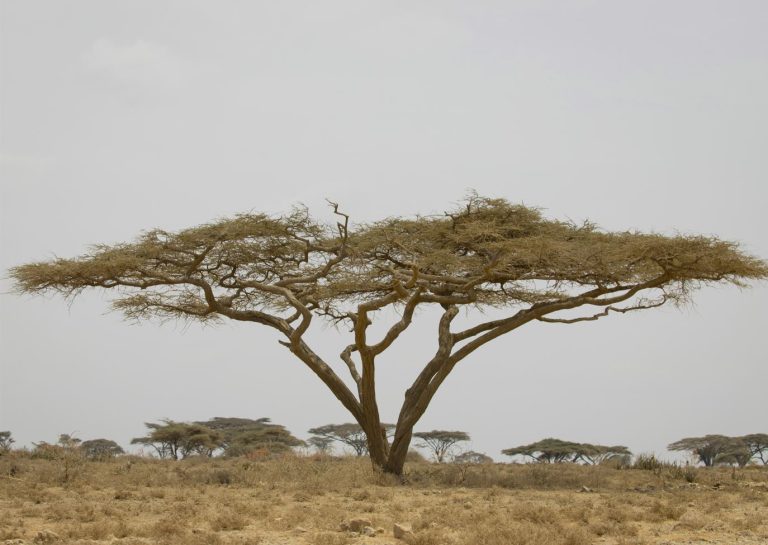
x: 286, y: 272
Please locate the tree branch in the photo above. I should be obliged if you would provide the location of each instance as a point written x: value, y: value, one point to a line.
x: 603, y: 313
x: 538, y: 310
x: 395, y: 331
x: 346, y: 357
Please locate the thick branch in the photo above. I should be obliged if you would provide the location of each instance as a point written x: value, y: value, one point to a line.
x: 327, y: 375
x: 395, y: 331
x: 591, y: 297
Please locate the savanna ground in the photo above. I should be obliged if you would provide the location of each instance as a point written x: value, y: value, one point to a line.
x: 303, y: 500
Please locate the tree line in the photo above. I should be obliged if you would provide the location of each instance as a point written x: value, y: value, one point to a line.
x: 231, y: 437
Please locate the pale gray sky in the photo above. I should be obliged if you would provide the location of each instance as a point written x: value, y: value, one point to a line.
x: 121, y: 116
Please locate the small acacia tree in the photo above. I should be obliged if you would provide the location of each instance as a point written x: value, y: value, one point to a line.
x: 352, y: 435
x: 707, y: 449
x: 243, y: 435
x: 552, y: 450
x: 440, y: 442
x: 757, y: 443
x: 714, y: 450
x: 735, y: 452
x: 597, y: 454
x: 284, y: 272
x: 323, y: 445
x: 176, y: 440
x: 472, y: 457
x: 100, y: 449
x: 6, y: 441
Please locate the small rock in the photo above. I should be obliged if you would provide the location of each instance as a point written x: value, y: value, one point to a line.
x: 586, y: 489
x: 301, y: 529
x: 402, y: 531
x: 368, y: 531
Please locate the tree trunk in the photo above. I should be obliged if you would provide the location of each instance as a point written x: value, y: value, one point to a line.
x: 397, y: 454
x: 378, y: 446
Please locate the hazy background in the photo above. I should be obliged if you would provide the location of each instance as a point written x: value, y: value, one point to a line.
x: 121, y: 116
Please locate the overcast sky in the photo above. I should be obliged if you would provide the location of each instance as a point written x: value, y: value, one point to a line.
x: 122, y: 116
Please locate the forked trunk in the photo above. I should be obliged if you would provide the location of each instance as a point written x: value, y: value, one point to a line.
x: 397, y: 455
x: 385, y: 457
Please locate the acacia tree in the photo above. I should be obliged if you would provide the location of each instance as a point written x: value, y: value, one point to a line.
x: 176, y: 440
x: 720, y: 449
x: 284, y: 272
x: 100, y: 449
x: 597, y: 454
x: 548, y: 450
x: 472, y: 457
x: 757, y: 443
x: 350, y: 434
x: 709, y: 449
x: 6, y: 441
x: 322, y: 445
x: 440, y: 442
x: 734, y: 451
x: 552, y: 450
x: 240, y: 436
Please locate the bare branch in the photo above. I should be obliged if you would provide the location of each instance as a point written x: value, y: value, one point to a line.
x: 346, y: 357
x: 343, y: 226
x: 604, y: 313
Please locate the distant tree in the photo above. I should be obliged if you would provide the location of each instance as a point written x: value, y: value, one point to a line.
x: 67, y: 447
x: 757, y: 443
x: 176, y: 440
x: 287, y: 272
x: 323, y: 445
x: 709, y: 449
x: 553, y: 450
x: 243, y: 435
x: 67, y: 453
x: 597, y: 454
x: 5, y: 441
x: 440, y: 442
x: 548, y: 450
x: 415, y: 457
x: 100, y: 449
x: 472, y: 457
x: 348, y: 434
x: 68, y: 441
x: 734, y: 451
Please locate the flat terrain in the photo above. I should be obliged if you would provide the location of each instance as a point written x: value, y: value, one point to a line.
x: 294, y: 500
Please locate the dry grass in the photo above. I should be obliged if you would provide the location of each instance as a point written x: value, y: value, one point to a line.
x: 133, y: 501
